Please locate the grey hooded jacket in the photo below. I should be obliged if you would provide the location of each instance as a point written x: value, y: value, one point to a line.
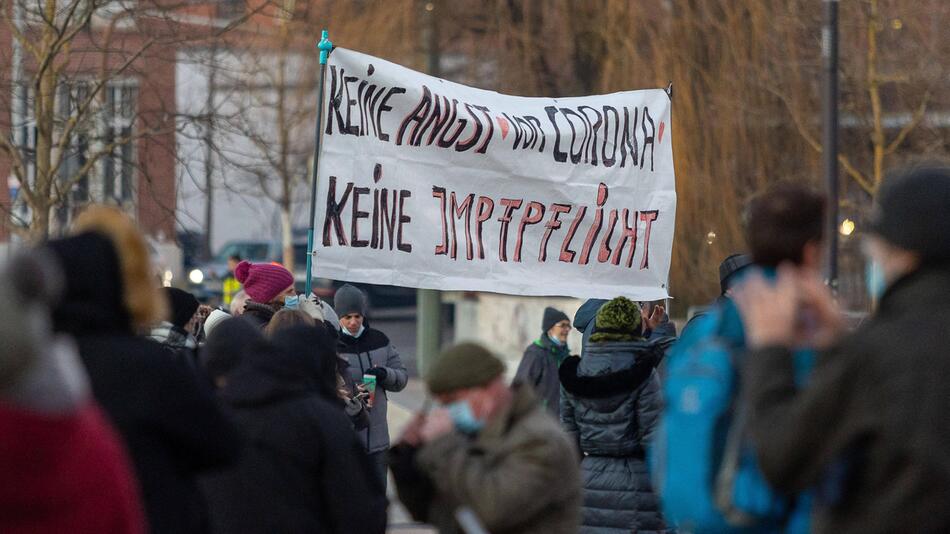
x: 613, y: 432
x: 373, y: 349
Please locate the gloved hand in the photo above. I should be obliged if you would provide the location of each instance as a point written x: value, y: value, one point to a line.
x: 379, y: 372
x: 354, y: 406
x: 312, y: 309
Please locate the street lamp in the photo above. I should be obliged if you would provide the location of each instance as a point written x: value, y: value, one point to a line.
x: 847, y: 227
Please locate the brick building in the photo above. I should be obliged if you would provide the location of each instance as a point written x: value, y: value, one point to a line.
x: 121, y: 149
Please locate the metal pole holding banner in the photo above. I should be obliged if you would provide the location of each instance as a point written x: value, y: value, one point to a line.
x: 829, y: 134
x: 324, y: 46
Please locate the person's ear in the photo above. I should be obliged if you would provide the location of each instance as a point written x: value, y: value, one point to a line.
x: 812, y: 253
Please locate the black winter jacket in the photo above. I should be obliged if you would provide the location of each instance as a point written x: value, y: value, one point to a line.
x: 302, y: 469
x: 871, y: 428
x: 538, y: 368
x: 258, y: 314
x: 170, y: 422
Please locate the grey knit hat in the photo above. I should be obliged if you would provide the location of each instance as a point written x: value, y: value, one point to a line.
x: 349, y: 299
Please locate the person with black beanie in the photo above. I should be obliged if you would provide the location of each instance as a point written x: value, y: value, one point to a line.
x: 177, y: 333
x: 169, y: 420
x: 542, y: 358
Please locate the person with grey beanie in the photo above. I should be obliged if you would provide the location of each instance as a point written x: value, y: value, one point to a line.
x: 875, y: 405
x: 368, y: 352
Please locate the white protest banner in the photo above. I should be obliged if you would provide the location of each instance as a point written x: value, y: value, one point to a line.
x: 428, y: 183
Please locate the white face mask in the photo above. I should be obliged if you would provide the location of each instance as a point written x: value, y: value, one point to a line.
x: 357, y: 334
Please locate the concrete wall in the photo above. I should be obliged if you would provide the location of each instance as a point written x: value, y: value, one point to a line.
x: 508, y: 324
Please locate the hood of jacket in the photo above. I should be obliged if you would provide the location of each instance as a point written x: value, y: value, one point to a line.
x: 92, y: 302
x: 605, y: 358
x: 371, y: 339
x: 281, y: 369
x: 585, y: 315
x: 262, y: 313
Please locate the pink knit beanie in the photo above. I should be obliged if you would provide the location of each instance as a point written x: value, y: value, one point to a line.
x: 263, y: 281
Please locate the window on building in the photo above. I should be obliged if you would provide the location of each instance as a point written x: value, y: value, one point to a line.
x: 118, y: 118
x: 109, y: 120
x: 71, y: 99
x: 229, y: 9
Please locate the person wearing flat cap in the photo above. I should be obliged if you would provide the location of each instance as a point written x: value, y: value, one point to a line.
x: 490, y: 454
x: 873, y: 414
x: 543, y: 357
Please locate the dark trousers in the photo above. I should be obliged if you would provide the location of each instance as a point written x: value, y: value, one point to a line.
x: 378, y: 459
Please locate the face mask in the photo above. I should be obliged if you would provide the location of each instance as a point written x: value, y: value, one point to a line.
x: 357, y: 334
x: 463, y: 417
x: 556, y: 341
x: 874, y: 279
x: 292, y: 303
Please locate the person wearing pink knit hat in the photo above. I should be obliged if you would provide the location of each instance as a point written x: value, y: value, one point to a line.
x: 266, y: 285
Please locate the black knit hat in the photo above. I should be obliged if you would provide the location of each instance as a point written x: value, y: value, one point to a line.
x: 183, y: 305
x: 730, y: 267
x: 913, y: 211
x: 552, y: 316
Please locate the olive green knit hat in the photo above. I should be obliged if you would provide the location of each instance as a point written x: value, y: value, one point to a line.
x: 618, y: 320
x: 462, y: 366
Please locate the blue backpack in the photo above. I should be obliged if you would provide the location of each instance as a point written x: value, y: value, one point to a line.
x: 704, y: 469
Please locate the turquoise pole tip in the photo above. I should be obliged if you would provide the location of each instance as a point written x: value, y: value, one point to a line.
x: 324, y: 46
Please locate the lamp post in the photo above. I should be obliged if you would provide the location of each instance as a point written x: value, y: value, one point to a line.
x: 429, y: 301
x: 829, y: 134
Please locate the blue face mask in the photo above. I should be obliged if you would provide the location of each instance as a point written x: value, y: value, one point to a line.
x: 556, y: 341
x: 357, y: 334
x: 292, y: 303
x: 874, y: 279
x: 463, y: 417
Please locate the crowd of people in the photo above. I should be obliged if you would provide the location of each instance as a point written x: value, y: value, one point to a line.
x: 130, y: 408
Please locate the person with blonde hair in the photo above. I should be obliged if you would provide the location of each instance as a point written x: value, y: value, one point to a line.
x: 171, y: 423
x: 286, y: 318
x: 237, y: 303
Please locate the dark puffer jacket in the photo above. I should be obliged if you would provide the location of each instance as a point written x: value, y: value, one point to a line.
x: 612, y: 431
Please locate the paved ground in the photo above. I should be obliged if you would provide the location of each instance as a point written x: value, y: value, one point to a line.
x: 400, y: 325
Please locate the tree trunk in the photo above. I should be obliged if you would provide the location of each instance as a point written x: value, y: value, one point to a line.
x: 287, y: 238
x: 209, y: 153
x: 43, y: 109
x: 874, y: 83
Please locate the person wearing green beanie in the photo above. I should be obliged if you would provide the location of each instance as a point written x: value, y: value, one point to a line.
x: 618, y: 320
x: 610, y: 404
x: 489, y: 449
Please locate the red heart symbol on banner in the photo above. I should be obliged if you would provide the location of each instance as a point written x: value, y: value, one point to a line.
x: 503, y: 124
x: 659, y: 138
